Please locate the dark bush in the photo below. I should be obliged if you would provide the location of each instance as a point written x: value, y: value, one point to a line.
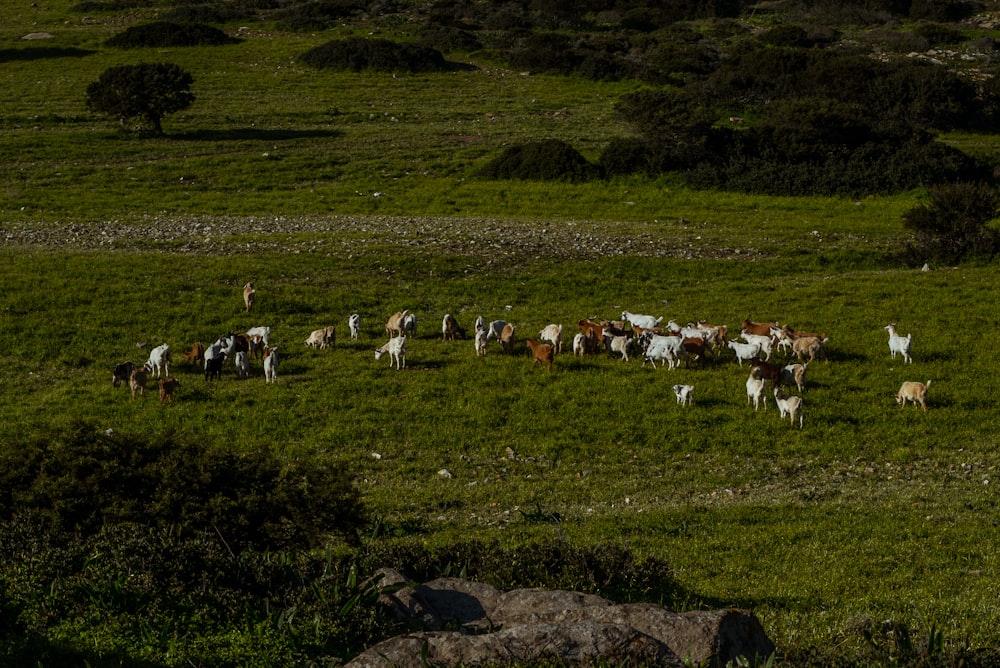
x: 378, y: 55
x: 165, y: 33
x: 787, y: 35
x: 146, y: 91
x: 938, y: 34
x: 445, y: 38
x: 954, y: 224
x: 549, y: 160
x: 315, y: 16
x: 81, y: 480
x: 223, y: 13
x: 626, y: 155
x: 109, y: 5
x: 945, y: 11
x: 546, y: 52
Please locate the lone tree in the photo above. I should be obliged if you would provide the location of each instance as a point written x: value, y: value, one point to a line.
x: 954, y: 224
x: 146, y: 91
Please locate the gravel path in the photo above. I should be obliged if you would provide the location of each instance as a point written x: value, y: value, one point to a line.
x: 491, y: 239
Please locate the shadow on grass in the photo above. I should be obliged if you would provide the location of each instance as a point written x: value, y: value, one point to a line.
x: 41, y: 53
x: 253, y: 134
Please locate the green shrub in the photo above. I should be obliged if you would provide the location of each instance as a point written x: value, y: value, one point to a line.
x: 147, y: 91
x: 954, y: 224
x: 937, y: 34
x: 448, y: 38
x: 946, y: 11
x: 548, y: 160
x: 378, y: 55
x: 161, y: 34
x: 320, y: 15
x: 223, y: 13
x: 81, y: 480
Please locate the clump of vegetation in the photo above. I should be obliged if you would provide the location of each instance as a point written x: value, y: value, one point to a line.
x: 147, y: 92
x: 161, y: 34
x: 378, y: 55
x: 222, y: 13
x: 954, y: 224
x: 548, y: 160
x: 316, y: 15
x: 77, y: 482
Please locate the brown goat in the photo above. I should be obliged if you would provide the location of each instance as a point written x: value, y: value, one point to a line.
x: 167, y: 386
x: 543, y: 353
x: 507, y: 338
x: 197, y: 354
x: 249, y: 292
x: 137, y: 380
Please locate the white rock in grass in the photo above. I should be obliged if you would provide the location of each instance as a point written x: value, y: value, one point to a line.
x: 444, y: 473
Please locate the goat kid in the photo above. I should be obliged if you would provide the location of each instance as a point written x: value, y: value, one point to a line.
x: 396, y: 349
x: 249, y: 294
x: 354, y: 325
x: 542, y: 353
x: 755, y: 390
x: 684, y: 394
x: 271, y: 365
x: 899, y: 344
x: 167, y: 386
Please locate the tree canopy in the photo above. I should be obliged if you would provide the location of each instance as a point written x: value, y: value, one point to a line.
x: 146, y: 92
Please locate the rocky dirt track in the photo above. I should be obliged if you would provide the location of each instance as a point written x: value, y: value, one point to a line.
x: 490, y: 239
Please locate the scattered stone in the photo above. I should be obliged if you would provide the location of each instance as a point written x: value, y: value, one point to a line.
x: 38, y: 35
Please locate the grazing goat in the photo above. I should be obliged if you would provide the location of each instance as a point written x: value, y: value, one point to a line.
x: 495, y: 329
x: 394, y: 326
x: 542, y: 353
x: 899, y: 344
x: 913, y: 391
x: 450, y: 328
x: 263, y: 332
x: 322, y: 338
x: 795, y: 373
x: 744, y: 351
x: 480, y: 323
x: 249, y: 293
x: 809, y: 345
x: 213, y: 364
x: 159, y: 360
x: 354, y: 325
x: 618, y: 344
x: 242, y: 364
x: 644, y: 321
x: 790, y: 406
x: 480, y: 342
x: 137, y: 380
x: 271, y: 365
x: 197, y: 354
x: 580, y: 344
x: 396, y: 347
x: 767, y: 370
x: 696, y: 347
x: 684, y: 394
x: 667, y: 350
x: 552, y: 334
x: 755, y: 390
x: 589, y: 326
x: 167, y: 386
x: 121, y: 373
x: 507, y: 338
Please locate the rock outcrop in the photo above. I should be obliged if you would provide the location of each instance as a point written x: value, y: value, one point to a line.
x: 466, y: 622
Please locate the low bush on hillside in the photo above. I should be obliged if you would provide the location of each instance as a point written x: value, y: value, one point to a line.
x: 548, y: 160
x: 78, y: 482
x: 377, y: 55
x: 320, y: 15
x: 166, y: 33
x: 954, y: 224
x: 222, y: 13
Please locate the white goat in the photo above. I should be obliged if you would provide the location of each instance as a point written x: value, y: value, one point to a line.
x: 271, y: 365
x: 552, y: 334
x: 618, y: 344
x: 765, y: 342
x: 899, y: 344
x: 242, y: 364
x: 354, y: 325
x: 665, y: 349
x: 790, y: 406
x: 744, y: 351
x: 641, y: 321
x: 580, y: 344
x: 410, y: 324
x: 755, y: 390
x: 396, y: 347
x: 159, y: 360
x: 684, y: 394
x: 263, y: 332
x: 495, y: 329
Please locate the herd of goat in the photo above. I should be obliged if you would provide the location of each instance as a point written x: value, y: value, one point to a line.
x: 646, y: 336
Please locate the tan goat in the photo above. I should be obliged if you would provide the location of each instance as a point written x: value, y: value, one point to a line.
x: 913, y: 391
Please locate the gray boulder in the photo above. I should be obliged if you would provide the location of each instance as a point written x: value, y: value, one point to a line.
x: 474, y: 623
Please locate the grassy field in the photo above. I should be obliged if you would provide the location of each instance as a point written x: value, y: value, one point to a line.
x: 868, y: 513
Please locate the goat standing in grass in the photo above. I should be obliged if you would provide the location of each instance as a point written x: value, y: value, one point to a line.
x: 790, y: 406
x: 249, y: 294
x: 396, y: 348
x: 543, y: 353
x: 899, y: 344
x: 755, y: 390
x: 684, y: 394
